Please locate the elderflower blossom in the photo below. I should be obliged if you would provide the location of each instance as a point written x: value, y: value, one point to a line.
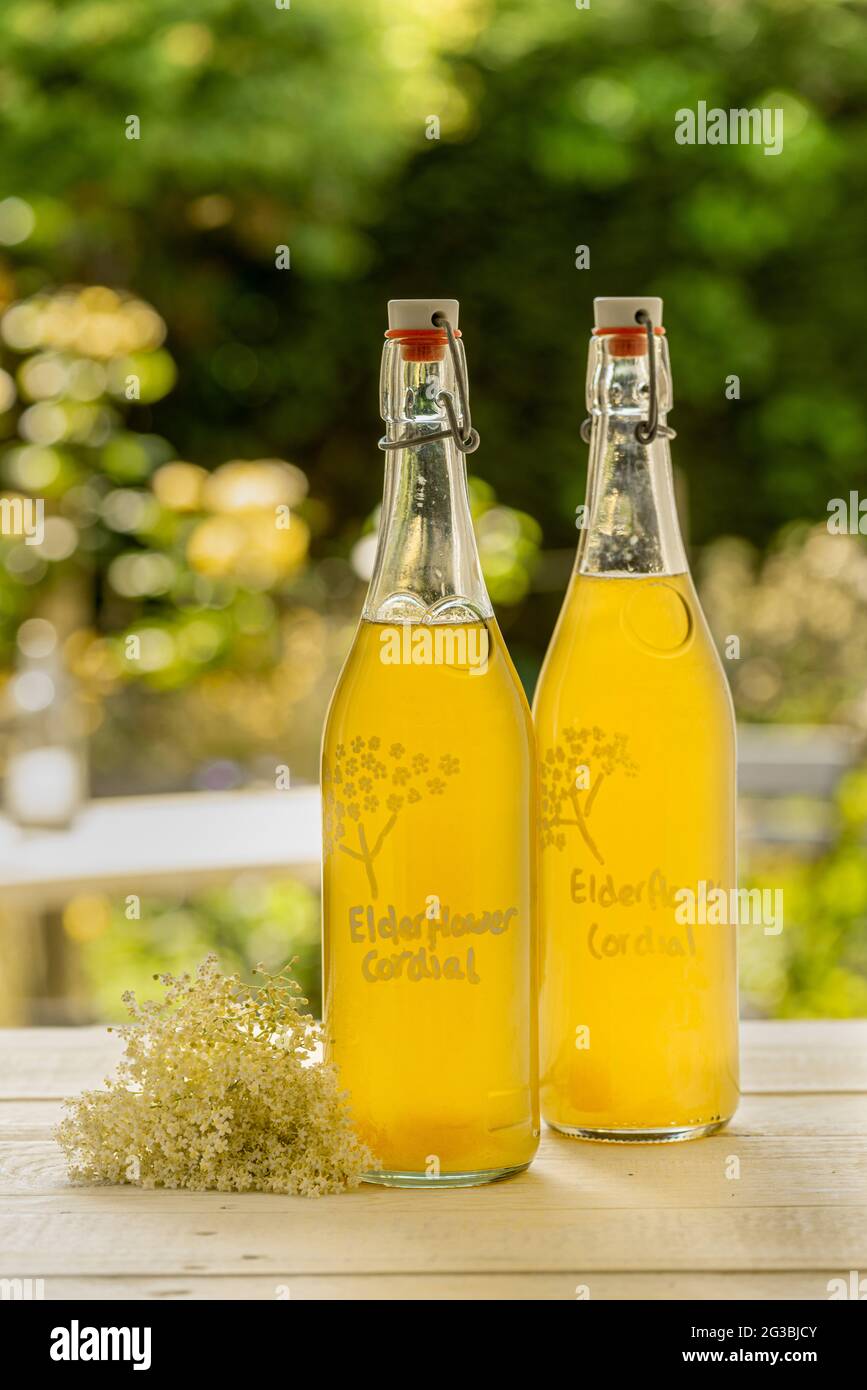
x: 218, y: 1089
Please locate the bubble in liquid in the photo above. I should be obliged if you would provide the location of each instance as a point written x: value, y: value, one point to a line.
x: 658, y: 618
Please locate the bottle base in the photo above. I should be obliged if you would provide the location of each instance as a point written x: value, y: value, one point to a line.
x: 385, y: 1177
x: 675, y: 1134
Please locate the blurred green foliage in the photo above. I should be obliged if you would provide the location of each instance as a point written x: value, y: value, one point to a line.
x: 252, y: 923
x: 262, y: 127
x: 817, y: 966
x: 799, y: 611
x: 266, y: 133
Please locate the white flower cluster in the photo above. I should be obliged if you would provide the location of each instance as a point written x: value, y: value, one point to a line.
x: 218, y: 1089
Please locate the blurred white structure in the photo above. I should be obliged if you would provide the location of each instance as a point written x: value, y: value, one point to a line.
x: 172, y: 843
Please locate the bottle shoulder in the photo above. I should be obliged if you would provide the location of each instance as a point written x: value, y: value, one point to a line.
x: 641, y: 634
x: 426, y: 675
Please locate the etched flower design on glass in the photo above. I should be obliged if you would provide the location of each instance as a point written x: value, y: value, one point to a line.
x: 573, y: 773
x: 363, y: 795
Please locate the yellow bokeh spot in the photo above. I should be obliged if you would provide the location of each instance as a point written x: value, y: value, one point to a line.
x: 178, y: 486
x: 99, y: 299
x: 210, y: 211
x: 187, y: 45
x: 94, y: 321
x: 216, y: 545
x: 254, y: 485
x: 87, y: 916
x: 249, y: 548
x: 275, y: 552
x: 93, y: 660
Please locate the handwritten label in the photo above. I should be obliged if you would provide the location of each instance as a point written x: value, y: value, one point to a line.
x: 651, y: 894
x: 428, y: 938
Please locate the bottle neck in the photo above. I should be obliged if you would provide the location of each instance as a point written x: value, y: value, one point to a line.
x: 629, y: 525
x: 427, y: 565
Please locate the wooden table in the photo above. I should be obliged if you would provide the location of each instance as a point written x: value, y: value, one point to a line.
x: 648, y: 1222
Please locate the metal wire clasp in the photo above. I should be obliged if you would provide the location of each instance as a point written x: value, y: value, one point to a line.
x: 468, y: 441
x: 646, y: 430
x: 645, y: 433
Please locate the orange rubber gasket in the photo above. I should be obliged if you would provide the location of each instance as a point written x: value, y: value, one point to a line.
x: 628, y: 341
x: 422, y: 344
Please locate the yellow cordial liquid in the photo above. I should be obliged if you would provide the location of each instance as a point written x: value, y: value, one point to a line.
x: 636, y: 742
x: 428, y: 886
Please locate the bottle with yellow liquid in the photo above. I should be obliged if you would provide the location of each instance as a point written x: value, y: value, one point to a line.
x: 428, y: 786
x: 636, y: 741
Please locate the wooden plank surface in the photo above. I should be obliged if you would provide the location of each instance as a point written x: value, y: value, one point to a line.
x: 773, y: 1172
x: 567, y: 1286
x: 375, y: 1233
x: 629, y: 1222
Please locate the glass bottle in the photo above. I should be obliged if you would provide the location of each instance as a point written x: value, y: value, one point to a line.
x: 428, y: 785
x: 635, y: 730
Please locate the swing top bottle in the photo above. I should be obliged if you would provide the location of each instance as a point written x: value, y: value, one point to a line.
x: 636, y: 744
x: 428, y: 802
